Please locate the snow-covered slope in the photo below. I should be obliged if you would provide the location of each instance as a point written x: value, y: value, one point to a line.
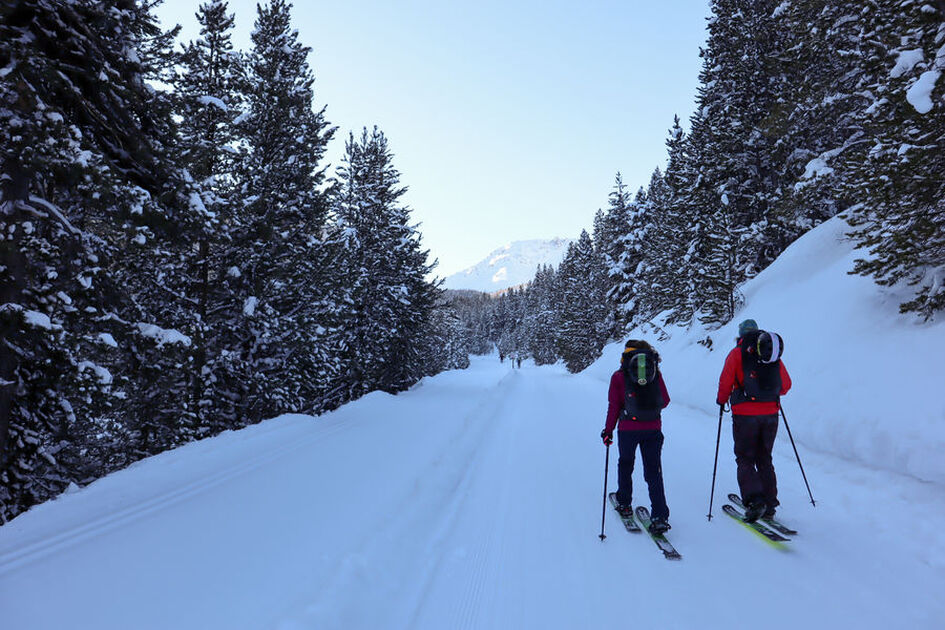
x: 509, y: 266
x: 867, y: 380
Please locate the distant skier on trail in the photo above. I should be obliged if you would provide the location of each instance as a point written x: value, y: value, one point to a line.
x: 636, y: 397
x: 755, y: 402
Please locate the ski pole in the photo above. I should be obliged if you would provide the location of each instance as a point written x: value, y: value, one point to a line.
x: 786, y: 426
x: 715, y: 465
x: 603, y: 514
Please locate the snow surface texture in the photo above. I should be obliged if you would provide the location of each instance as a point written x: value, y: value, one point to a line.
x: 510, y: 266
x: 474, y: 499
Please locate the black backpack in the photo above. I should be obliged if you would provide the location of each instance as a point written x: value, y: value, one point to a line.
x: 761, y: 365
x: 643, y: 398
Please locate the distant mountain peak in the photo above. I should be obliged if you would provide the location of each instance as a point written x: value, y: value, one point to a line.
x: 510, y: 265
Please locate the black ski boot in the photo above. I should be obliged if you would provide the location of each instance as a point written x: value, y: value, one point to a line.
x: 659, y: 525
x: 754, y: 510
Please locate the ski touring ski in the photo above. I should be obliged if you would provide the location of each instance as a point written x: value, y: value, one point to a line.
x: 669, y: 552
x: 770, y: 536
x: 628, y: 521
x: 773, y: 523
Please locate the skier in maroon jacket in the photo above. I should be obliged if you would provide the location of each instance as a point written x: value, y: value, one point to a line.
x: 636, y: 397
x: 755, y: 404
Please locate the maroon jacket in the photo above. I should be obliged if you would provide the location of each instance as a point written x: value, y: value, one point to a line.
x: 615, y: 406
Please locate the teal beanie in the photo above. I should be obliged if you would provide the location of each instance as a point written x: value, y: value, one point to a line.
x: 747, y: 326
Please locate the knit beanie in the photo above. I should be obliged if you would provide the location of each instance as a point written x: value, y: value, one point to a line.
x: 747, y: 326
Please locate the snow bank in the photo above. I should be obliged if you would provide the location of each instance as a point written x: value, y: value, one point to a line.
x: 867, y: 380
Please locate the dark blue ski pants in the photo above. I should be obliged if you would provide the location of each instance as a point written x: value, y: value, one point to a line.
x: 651, y: 448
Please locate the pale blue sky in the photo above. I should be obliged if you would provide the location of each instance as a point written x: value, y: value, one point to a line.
x: 508, y: 120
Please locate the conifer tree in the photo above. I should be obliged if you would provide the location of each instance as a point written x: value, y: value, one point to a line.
x: 90, y: 189
x: 582, y: 307
x: 609, y: 230
x: 822, y: 107
x: 900, y: 214
x: 209, y: 104
x: 657, y: 268
x: 730, y: 147
x: 281, y: 263
x: 539, y: 324
x: 444, y: 345
x: 629, y: 285
x: 385, y: 271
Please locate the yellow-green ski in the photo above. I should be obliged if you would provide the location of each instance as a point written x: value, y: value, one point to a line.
x: 770, y: 536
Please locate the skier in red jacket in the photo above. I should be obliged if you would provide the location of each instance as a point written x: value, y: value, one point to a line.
x: 636, y: 398
x: 755, y: 401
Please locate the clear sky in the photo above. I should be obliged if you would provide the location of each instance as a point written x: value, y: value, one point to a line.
x: 508, y: 119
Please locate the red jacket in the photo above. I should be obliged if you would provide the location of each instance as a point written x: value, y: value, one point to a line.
x: 732, y: 377
x: 615, y: 406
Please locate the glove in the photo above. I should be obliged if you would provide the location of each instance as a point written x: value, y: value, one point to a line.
x: 607, y: 437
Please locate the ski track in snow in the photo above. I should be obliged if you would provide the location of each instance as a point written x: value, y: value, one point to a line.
x: 102, y: 524
x: 471, y: 501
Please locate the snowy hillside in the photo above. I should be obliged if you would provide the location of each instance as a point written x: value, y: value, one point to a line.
x: 510, y: 266
x: 867, y: 380
x: 474, y: 499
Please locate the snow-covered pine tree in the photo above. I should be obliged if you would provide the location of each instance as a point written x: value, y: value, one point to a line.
x: 88, y: 179
x: 208, y: 104
x: 280, y: 263
x: 608, y: 232
x: 384, y: 270
x: 519, y: 333
x: 155, y: 268
x: 507, y: 323
x: 717, y: 270
x: 899, y: 186
x: 731, y: 143
x: 473, y: 309
x: 823, y: 57
x: 582, y: 306
x: 683, y: 296
x: 444, y: 345
x: 665, y: 276
x: 629, y: 283
x: 610, y: 327
x: 750, y: 87
x: 656, y: 269
x: 540, y: 325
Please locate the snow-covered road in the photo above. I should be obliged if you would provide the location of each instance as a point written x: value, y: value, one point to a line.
x: 471, y: 501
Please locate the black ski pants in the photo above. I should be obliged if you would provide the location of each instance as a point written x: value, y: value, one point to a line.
x: 754, y: 440
x: 651, y: 448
